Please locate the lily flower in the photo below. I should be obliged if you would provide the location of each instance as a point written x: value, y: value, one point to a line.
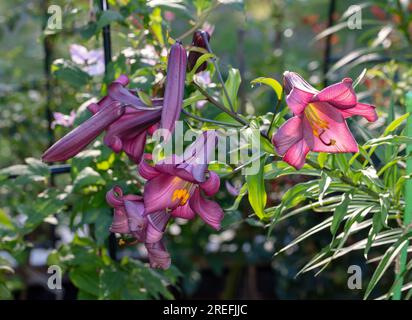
x: 130, y: 218
x: 319, y: 117
x: 198, y: 41
x: 179, y: 184
x: 175, y: 86
x: 122, y: 114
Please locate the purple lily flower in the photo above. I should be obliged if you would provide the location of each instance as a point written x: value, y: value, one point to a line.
x: 91, y: 61
x: 125, y: 118
x: 198, y: 41
x: 63, y: 120
x: 178, y: 184
x: 175, y: 85
x: 130, y: 218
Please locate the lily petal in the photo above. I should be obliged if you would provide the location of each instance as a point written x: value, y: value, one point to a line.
x: 361, y: 109
x: 156, y: 226
x: 135, y: 213
x: 287, y: 135
x: 158, y: 255
x: 340, y: 95
x: 211, y: 185
x: 158, y: 193
x: 147, y: 171
x: 296, y: 154
x: 184, y: 212
x: 209, y: 211
x: 298, y: 99
x: 337, y: 137
x: 77, y: 139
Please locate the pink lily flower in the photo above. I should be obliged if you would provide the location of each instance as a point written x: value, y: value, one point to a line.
x: 319, y: 117
x: 122, y: 114
x: 179, y: 184
x: 63, y: 120
x: 130, y: 218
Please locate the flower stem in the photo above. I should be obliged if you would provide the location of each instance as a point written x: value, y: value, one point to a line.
x: 191, y: 115
x: 219, y: 74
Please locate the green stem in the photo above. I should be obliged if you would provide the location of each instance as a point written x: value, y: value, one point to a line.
x: 191, y: 115
x: 219, y: 74
x: 407, y: 217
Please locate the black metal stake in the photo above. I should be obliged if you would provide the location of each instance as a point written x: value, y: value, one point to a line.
x: 107, y: 47
x: 328, y: 45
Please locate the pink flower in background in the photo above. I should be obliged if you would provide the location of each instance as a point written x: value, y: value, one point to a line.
x: 209, y: 28
x: 91, y: 61
x: 169, y: 16
x: 319, y: 117
x: 203, y: 78
x: 233, y: 189
x: 179, y: 184
x: 130, y: 218
x: 63, y: 120
x: 122, y: 114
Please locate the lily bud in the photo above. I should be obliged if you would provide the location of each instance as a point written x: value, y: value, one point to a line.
x: 198, y: 41
x: 175, y: 85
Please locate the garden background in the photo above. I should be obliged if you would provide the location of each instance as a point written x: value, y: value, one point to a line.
x: 58, y: 215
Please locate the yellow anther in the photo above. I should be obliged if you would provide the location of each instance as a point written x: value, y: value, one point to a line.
x: 122, y: 242
x: 181, y: 194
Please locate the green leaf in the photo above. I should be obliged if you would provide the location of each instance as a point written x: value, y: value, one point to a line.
x: 86, y: 280
x: 324, y: 184
x: 386, y: 261
x: 273, y: 83
x: 322, y: 158
x: 203, y: 58
x: 395, y: 124
x: 87, y: 177
x: 232, y: 85
x: 340, y: 212
x: 5, y: 221
x: 72, y: 74
x: 108, y: 17
x: 257, y: 193
x: 156, y: 25
x: 145, y: 98
x: 390, y: 139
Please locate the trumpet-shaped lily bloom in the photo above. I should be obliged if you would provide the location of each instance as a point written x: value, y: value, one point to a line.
x: 122, y: 114
x: 175, y: 86
x: 198, y: 40
x: 130, y: 218
x: 319, y: 117
x: 179, y: 184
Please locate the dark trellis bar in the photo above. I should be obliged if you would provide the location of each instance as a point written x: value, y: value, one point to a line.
x: 107, y: 47
x: 328, y: 45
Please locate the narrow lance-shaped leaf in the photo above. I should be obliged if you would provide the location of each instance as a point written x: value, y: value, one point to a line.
x: 257, y: 192
x: 340, y: 212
